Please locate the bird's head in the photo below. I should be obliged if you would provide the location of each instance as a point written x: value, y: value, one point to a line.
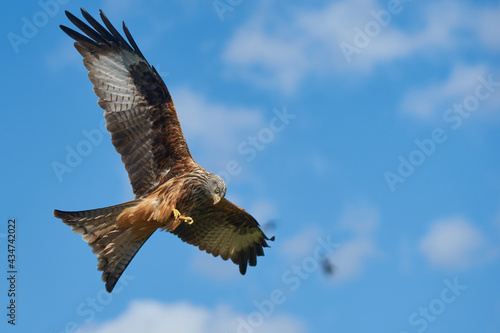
x: 216, y: 188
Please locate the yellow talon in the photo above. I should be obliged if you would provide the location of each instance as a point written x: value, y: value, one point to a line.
x: 177, y: 215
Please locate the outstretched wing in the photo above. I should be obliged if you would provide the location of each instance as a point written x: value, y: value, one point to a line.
x: 138, y: 109
x: 225, y: 230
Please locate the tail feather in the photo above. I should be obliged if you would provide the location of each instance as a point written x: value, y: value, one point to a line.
x: 115, y: 246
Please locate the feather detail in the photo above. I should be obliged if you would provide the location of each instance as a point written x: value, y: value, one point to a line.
x: 115, y: 246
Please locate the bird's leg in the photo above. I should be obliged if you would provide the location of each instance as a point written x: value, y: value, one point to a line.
x: 178, y: 216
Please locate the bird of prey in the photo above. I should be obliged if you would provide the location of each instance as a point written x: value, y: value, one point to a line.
x: 172, y: 192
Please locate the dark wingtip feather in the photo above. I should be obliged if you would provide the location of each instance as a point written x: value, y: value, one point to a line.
x: 97, y: 26
x: 57, y: 213
x: 62, y: 215
x: 96, y: 34
x: 69, y: 15
x: 114, y: 32
x: 264, y: 243
x: 76, y: 35
x: 243, y: 267
x: 252, y: 258
x: 132, y: 41
x: 243, y: 262
x: 110, y: 284
x: 86, y: 29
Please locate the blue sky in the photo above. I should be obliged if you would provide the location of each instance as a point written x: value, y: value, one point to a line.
x: 360, y: 133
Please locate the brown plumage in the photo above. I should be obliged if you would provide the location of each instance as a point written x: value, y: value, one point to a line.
x: 172, y: 191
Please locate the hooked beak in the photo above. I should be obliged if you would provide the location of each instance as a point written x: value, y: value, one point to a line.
x: 216, y: 199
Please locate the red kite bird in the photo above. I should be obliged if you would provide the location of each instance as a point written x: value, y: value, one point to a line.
x: 172, y: 191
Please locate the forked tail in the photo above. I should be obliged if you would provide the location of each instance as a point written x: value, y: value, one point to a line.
x: 115, y: 246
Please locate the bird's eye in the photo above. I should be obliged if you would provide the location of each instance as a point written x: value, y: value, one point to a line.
x: 217, y: 190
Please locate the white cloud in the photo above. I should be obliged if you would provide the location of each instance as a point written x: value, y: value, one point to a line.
x: 155, y: 317
x: 351, y: 258
x: 302, y: 244
x: 339, y: 23
x: 263, y: 211
x: 455, y: 243
x: 281, y: 54
x: 435, y: 98
x: 361, y: 219
x: 214, y: 267
x: 218, y: 128
x: 264, y: 59
x: 488, y: 28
